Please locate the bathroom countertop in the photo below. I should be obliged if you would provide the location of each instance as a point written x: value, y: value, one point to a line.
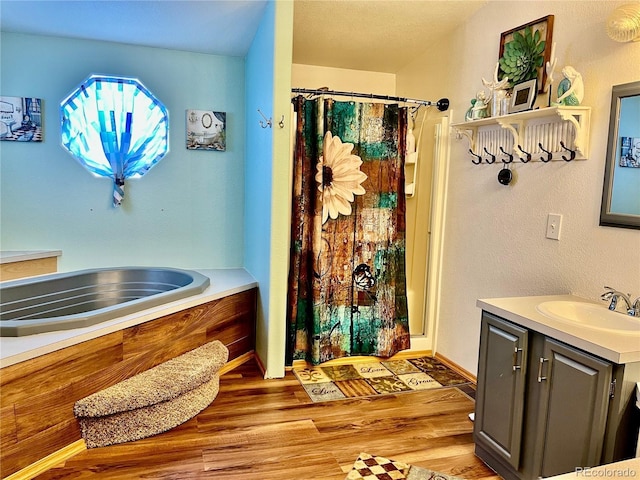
x: 617, y: 347
x: 224, y: 282
x: 10, y: 256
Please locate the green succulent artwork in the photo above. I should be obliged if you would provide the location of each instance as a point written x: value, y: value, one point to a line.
x: 522, y: 57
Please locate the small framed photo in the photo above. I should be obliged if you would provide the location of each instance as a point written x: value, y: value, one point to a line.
x: 524, y: 94
x: 21, y: 119
x: 206, y: 130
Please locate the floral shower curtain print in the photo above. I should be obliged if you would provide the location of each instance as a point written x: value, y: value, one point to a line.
x: 347, y: 286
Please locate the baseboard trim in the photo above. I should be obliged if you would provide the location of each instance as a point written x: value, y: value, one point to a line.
x: 236, y: 362
x: 263, y: 370
x: 48, y: 462
x: 457, y: 368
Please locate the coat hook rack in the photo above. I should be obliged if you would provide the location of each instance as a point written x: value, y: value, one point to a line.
x: 549, y: 154
x: 572, y: 153
x: 268, y: 121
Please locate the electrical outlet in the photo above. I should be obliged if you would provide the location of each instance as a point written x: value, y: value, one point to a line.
x: 554, y: 222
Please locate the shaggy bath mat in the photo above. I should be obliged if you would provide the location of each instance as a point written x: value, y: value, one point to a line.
x: 371, y: 467
x: 362, y: 379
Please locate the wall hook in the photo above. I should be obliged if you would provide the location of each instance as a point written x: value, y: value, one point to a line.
x: 493, y: 157
x: 549, y: 154
x: 572, y: 152
x: 281, y: 122
x: 528, y: 155
x: 268, y: 123
x: 479, y: 157
x: 509, y: 155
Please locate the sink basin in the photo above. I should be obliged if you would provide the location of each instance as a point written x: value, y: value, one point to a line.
x: 590, y: 315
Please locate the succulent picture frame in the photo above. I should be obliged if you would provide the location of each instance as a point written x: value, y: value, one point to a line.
x: 540, y: 29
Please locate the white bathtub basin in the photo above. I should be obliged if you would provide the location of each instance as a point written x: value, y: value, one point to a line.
x: 590, y: 315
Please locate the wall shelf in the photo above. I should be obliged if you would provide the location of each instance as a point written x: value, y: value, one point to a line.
x: 545, y: 134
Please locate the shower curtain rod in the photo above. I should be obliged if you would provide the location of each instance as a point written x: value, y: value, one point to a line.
x: 442, y: 104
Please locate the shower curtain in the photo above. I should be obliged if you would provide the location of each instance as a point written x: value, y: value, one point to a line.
x: 347, y: 287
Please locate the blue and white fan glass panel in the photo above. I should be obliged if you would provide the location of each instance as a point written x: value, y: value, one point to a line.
x: 115, y: 127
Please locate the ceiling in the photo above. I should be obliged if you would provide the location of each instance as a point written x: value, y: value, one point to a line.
x: 375, y: 35
x: 221, y: 27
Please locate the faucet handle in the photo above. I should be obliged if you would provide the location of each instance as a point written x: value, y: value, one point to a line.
x: 614, y: 295
x: 608, y: 294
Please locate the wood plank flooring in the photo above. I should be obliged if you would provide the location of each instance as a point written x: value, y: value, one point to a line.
x: 260, y: 429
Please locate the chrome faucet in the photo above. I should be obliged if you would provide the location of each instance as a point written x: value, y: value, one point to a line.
x: 614, y: 295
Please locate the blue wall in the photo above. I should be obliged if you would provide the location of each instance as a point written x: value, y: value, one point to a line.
x: 259, y: 166
x: 187, y: 211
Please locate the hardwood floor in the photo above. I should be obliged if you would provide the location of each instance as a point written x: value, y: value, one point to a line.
x: 269, y: 429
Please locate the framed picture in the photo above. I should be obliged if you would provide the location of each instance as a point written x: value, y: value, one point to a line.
x: 21, y: 119
x: 538, y: 40
x: 524, y: 94
x: 206, y: 130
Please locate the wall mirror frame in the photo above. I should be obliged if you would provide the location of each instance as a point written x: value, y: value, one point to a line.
x: 621, y: 189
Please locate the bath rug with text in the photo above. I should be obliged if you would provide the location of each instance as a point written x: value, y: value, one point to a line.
x: 371, y: 467
x: 369, y: 378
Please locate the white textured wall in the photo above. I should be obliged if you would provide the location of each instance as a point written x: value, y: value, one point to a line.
x: 495, y: 235
x: 343, y: 79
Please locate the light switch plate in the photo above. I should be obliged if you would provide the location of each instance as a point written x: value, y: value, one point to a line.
x: 554, y: 222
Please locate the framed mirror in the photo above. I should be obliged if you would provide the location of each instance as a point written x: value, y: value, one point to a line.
x: 621, y: 190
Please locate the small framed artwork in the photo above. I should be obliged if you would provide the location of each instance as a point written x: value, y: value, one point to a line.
x: 206, y: 130
x: 524, y: 94
x: 630, y: 152
x: 532, y: 41
x: 21, y: 119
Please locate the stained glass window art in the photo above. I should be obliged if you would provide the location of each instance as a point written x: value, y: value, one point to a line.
x: 115, y: 127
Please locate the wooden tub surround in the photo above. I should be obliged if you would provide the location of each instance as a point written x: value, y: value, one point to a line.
x: 37, y: 395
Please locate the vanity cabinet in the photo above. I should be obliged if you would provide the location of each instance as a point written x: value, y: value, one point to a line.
x: 543, y: 407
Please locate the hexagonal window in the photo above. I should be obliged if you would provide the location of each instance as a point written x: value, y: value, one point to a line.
x: 115, y: 128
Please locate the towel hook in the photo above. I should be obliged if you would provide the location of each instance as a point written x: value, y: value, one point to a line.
x: 572, y: 152
x: 528, y: 155
x: 509, y: 155
x: 268, y: 120
x: 479, y: 157
x: 549, y: 154
x: 493, y: 157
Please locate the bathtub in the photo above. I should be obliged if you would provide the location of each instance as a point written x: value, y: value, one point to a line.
x: 64, y: 301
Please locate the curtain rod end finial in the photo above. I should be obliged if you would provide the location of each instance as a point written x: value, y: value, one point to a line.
x: 443, y: 104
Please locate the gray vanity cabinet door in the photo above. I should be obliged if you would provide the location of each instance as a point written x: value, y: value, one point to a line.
x: 572, y: 408
x: 501, y: 387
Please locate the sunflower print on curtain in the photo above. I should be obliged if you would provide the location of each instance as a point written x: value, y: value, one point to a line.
x: 347, y: 285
